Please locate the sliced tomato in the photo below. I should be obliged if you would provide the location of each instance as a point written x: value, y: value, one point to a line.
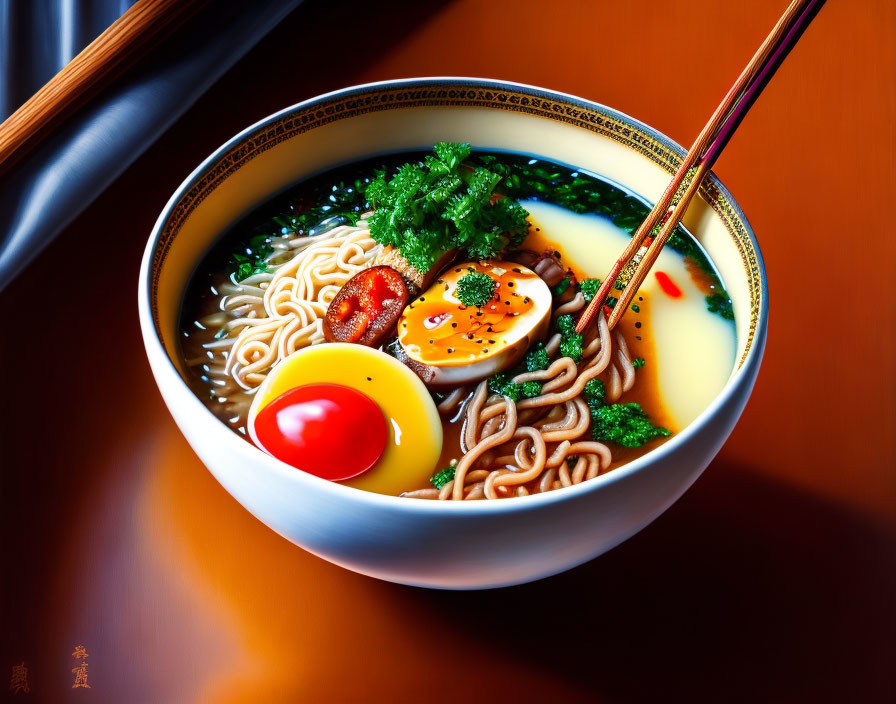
x: 367, y: 307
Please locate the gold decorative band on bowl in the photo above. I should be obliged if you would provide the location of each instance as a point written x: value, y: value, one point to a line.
x: 432, y: 94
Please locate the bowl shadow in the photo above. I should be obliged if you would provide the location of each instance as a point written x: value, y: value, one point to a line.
x: 745, y: 590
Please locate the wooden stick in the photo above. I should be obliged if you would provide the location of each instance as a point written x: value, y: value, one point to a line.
x: 144, y: 25
x: 761, y: 65
x: 653, y: 251
x: 713, y: 150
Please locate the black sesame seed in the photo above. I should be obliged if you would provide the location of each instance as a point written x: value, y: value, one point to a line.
x: 478, y: 313
x: 637, y: 337
x: 637, y: 325
x: 506, y: 303
x: 431, y: 341
x: 517, y: 271
x: 526, y: 299
x: 640, y: 298
x: 510, y: 284
x: 484, y: 349
x: 491, y: 342
x: 422, y: 299
x: 454, y: 325
x: 369, y: 379
x: 450, y: 350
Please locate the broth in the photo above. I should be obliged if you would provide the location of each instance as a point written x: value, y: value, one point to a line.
x: 683, y: 332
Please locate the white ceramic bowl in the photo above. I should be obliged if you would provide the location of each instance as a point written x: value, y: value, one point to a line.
x: 428, y: 543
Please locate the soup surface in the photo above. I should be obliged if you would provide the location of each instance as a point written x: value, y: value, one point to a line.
x: 262, y: 294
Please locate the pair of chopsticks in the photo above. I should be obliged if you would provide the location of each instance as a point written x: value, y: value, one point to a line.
x: 143, y: 26
x: 697, y: 163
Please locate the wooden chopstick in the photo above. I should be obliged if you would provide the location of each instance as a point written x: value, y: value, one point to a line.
x: 710, y: 142
x: 145, y: 24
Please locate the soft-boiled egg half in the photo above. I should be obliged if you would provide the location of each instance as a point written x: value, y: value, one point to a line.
x: 348, y: 413
x: 454, y: 344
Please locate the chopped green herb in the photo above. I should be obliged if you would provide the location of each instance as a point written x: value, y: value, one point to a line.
x: 619, y: 285
x: 720, y: 303
x: 571, y: 343
x: 537, y: 358
x: 571, y: 346
x: 560, y: 288
x: 595, y: 392
x: 430, y: 207
x: 530, y: 389
x: 589, y: 288
x: 502, y: 385
x: 442, y: 477
x: 636, y: 308
x: 625, y: 424
x: 566, y: 324
x: 638, y: 362
x: 475, y: 289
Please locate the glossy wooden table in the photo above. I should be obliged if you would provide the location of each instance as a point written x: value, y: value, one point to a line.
x: 771, y: 580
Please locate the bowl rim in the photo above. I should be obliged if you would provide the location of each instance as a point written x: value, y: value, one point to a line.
x: 252, y: 456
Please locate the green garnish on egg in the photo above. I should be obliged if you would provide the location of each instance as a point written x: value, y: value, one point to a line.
x: 475, y: 289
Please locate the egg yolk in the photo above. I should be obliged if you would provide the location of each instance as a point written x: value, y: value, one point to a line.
x: 437, y: 328
x: 312, y: 427
x: 413, y: 430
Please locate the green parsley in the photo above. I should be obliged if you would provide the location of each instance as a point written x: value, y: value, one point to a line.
x: 537, y: 358
x: 571, y: 343
x: 560, y: 288
x: 625, y: 424
x: 503, y: 385
x: 442, y: 477
x: 589, y: 288
x: 571, y: 346
x: 638, y: 362
x: 431, y: 207
x: 566, y: 324
x: 595, y: 393
x: 720, y: 304
x: 530, y: 389
x: 475, y: 289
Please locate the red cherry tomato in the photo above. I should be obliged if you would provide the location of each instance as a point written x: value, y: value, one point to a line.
x: 328, y: 430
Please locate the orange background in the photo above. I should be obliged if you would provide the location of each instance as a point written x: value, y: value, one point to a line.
x: 771, y: 580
